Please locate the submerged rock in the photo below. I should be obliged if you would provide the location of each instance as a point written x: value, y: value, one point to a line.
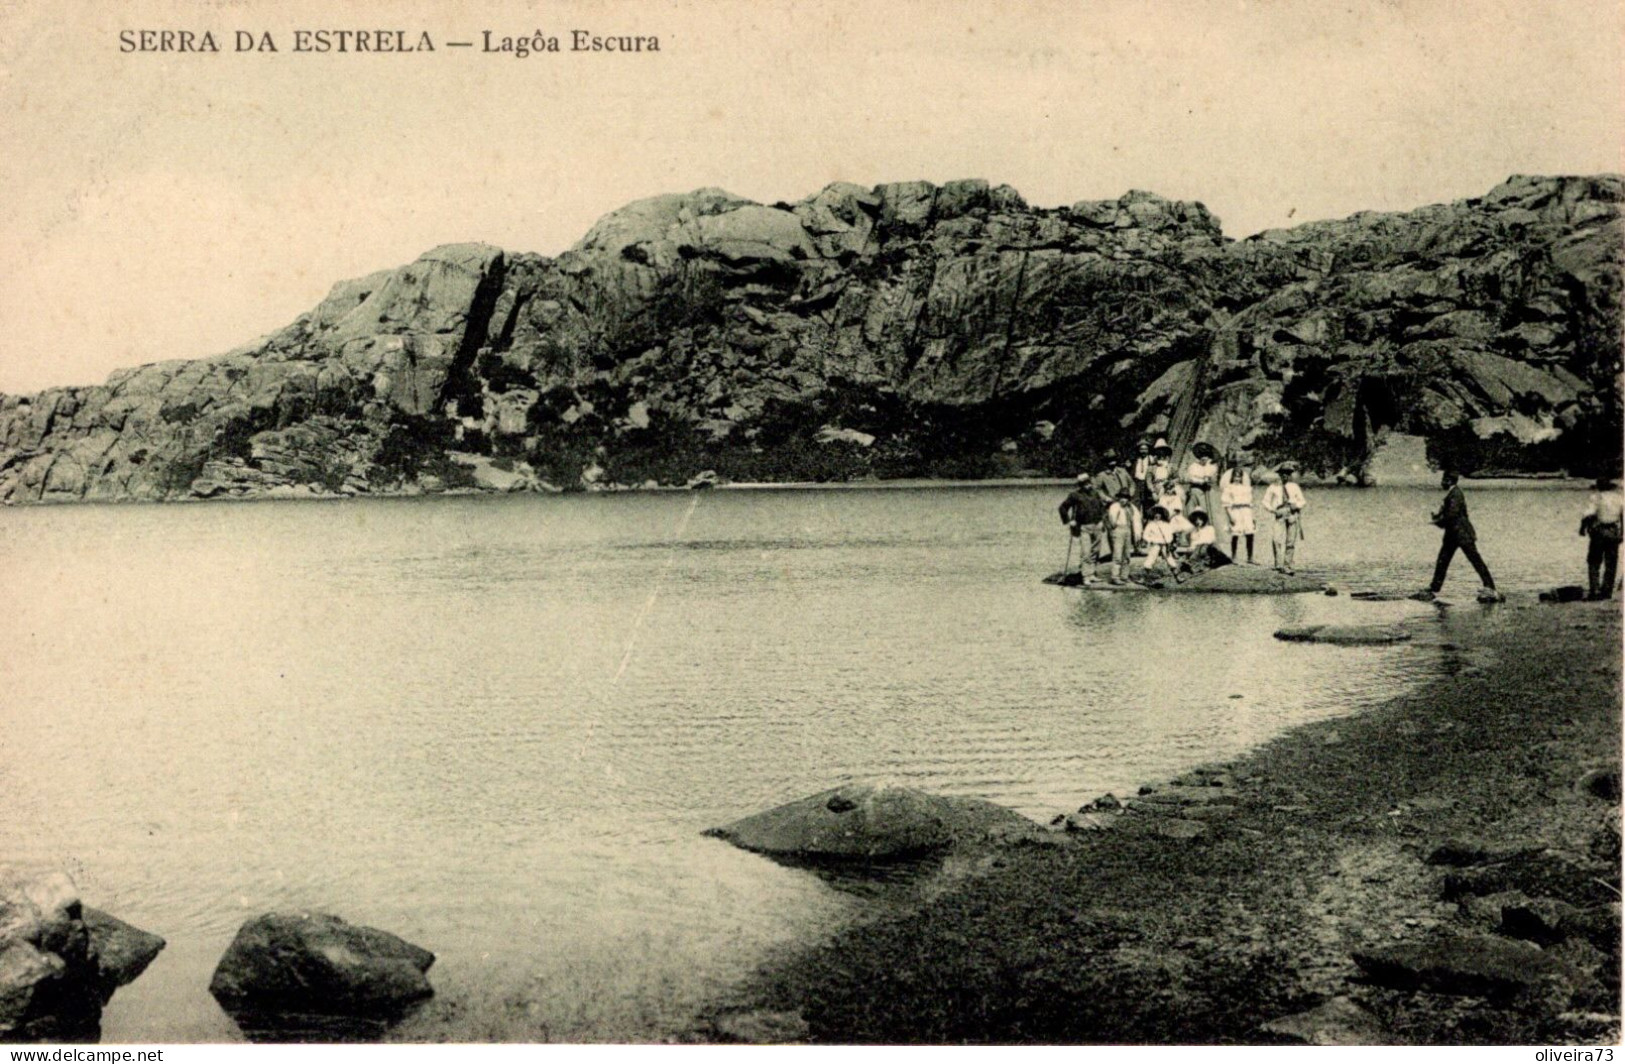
x: 60, y: 962
x: 866, y: 822
x: 1250, y: 580
x: 1346, y: 635
x: 286, y: 975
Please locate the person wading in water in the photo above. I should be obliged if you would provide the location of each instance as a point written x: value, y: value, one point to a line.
x: 1458, y: 535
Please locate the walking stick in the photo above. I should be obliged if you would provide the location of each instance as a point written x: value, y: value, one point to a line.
x: 1068, y: 566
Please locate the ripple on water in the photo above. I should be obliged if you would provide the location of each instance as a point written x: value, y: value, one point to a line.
x: 497, y: 726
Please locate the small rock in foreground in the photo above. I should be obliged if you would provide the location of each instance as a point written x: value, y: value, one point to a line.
x: 1476, y: 965
x: 1601, y: 783
x: 285, y: 973
x: 1464, y: 853
x: 60, y: 962
x: 1339, y: 1022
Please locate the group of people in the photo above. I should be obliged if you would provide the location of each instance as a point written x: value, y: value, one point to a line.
x: 1147, y: 508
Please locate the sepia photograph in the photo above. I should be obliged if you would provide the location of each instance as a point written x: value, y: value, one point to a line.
x: 536, y: 522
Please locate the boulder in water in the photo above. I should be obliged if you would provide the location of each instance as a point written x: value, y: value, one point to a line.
x: 285, y: 974
x: 61, y: 962
x: 869, y: 822
x: 1344, y: 635
x: 1224, y: 580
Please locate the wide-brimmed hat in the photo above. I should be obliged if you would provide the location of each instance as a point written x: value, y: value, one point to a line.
x: 1083, y: 478
x: 1143, y: 446
x: 1287, y: 467
x: 1204, y: 448
x: 1198, y: 512
x: 1155, y: 510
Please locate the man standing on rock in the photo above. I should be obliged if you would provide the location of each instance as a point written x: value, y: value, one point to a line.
x: 1602, y: 522
x: 1284, y: 500
x: 1458, y: 534
x: 1112, y: 483
x: 1084, y: 510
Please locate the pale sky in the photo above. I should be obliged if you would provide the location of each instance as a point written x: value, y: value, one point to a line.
x: 174, y: 206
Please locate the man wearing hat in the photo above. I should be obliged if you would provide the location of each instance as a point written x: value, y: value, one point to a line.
x: 1602, y: 522
x: 1084, y: 510
x: 1285, y: 500
x: 1459, y: 534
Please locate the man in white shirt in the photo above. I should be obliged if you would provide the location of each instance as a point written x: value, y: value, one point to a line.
x: 1602, y: 521
x: 1284, y: 499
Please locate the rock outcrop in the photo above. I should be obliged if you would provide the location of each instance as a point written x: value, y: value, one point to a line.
x: 61, y: 961
x: 863, y: 822
x: 291, y: 976
x: 903, y: 330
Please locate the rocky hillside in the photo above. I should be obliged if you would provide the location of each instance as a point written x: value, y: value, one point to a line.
x: 904, y: 330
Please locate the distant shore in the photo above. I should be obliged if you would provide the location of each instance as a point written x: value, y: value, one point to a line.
x: 1128, y: 936
x: 1521, y: 483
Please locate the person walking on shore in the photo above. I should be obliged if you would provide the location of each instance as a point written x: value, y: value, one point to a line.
x: 1236, y: 493
x: 1602, y: 522
x: 1284, y: 499
x: 1459, y: 534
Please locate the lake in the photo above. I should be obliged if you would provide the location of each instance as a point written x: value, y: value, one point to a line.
x: 497, y: 726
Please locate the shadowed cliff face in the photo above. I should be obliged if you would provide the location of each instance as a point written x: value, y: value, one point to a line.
x: 904, y: 330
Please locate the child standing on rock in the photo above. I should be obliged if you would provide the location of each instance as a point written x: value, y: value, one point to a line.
x: 1236, y: 493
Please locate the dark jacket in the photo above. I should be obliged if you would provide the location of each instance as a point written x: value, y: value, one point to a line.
x: 1452, y: 516
x: 1083, y: 508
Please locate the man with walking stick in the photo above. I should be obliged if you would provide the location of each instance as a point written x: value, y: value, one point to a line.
x: 1084, y: 510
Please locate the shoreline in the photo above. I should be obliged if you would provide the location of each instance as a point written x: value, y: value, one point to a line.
x: 1521, y: 483
x: 1327, y: 842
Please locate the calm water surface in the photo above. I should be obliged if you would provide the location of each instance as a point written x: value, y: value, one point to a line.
x: 498, y: 726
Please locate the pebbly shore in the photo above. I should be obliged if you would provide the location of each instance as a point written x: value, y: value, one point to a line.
x: 1441, y: 870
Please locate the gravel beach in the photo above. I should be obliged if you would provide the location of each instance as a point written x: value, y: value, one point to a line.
x: 1442, y: 870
